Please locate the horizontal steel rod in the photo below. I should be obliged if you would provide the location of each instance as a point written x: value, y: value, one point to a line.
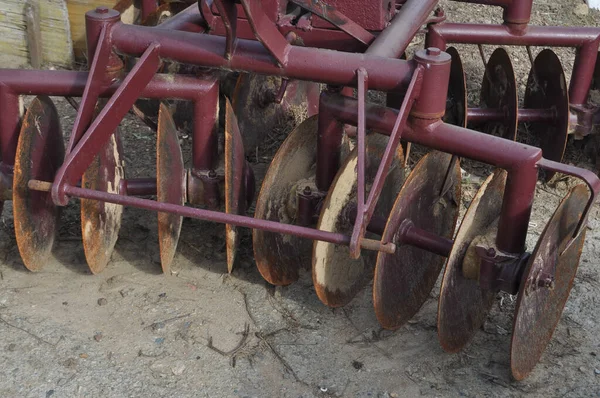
x: 411, y: 235
x: 333, y: 67
x: 484, y: 115
x: 214, y: 216
x: 556, y: 36
x: 72, y: 84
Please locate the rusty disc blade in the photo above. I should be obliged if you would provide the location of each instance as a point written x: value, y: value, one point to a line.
x: 170, y: 185
x: 499, y: 91
x: 547, y: 89
x: 336, y: 276
x: 456, y: 103
x: 539, y: 308
x: 40, y: 152
x: 235, y: 197
x: 101, y: 221
x: 463, y: 305
x: 257, y: 112
x: 403, y: 280
x: 280, y: 257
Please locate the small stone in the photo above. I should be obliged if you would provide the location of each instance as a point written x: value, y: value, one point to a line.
x: 98, y: 336
x: 124, y: 292
x: 597, y: 372
x: 102, y: 301
x: 157, y: 326
x: 162, y: 295
x: 49, y: 393
x: 11, y: 347
x: 581, y: 9
x: 83, y: 355
x: 582, y: 369
x: 178, y: 369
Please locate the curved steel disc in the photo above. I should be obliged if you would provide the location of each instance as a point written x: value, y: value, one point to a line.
x: 463, y: 305
x: 258, y: 114
x: 547, y: 89
x: 539, y: 308
x: 456, y: 103
x: 403, y: 280
x: 40, y: 152
x: 235, y: 196
x: 170, y: 185
x: 336, y: 276
x: 499, y: 91
x: 101, y: 221
x: 279, y: 257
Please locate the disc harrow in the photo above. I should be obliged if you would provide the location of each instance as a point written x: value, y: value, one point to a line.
x: 337, y: 200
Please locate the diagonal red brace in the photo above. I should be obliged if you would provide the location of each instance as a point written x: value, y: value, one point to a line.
x: 79, y: 159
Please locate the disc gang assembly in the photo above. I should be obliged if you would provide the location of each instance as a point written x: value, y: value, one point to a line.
x: 337, y: 197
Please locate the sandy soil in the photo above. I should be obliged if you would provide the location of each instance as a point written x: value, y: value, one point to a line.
x: 134, y: 332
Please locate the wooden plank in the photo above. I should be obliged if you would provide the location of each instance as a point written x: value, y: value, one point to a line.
x: 34, y: 33
x: 56, y: 44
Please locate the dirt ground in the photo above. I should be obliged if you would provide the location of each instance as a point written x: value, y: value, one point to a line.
x: 133, y: 332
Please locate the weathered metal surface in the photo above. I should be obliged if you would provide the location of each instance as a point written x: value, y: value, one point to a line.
x: 456, y: 105
x: 499, y: 92
x: 336, y: 276
x: 40, y: 152
x: 547, y: 89
x: 101, y: 221
x: 371, y: 15
x: 259, y: 114
x: 403, y: 280
x: 280, y: 257
x: 547, y: 282
x: 170, y: 186
x: 462, y: 304
x: 235, y: 196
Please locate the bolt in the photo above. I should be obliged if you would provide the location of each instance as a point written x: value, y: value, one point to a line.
x: 212, y: 174
x: 491, y: 252
x: 102, y: 10
x: 433, y: 51
x: 546, y: 283
x: 307, y: 190
x: 439, y: 12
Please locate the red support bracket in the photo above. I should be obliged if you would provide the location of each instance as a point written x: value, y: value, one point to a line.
x: 365, y: 210
x: 99, y: 132
x: 266, y: 31
x: 228, y: 12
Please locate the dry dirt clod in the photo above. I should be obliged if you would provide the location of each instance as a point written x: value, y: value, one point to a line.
x: 83, y: 355
x: 102, y: 301
x: 98, y: 336
x: 581, y: 9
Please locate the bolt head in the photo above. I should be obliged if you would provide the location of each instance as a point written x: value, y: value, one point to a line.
x: 433, y: 51
x: 102, y: 10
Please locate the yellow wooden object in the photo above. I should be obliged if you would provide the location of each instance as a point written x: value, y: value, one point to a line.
x: 77, y: 10
x: 56, y: 37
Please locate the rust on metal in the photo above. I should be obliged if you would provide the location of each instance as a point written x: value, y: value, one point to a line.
x: 170, y: 186
x: 404, y: 280
x: 547, y: 282
x: 280, y: 257
x: 547, y: 89
x: 235, y: 195
x: 101, y: 221
x: 336, y: 276
x: 40, y: 153
x: 499, y: 92
x: 463, y: 306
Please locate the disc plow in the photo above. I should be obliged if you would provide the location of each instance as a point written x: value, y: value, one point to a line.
x: 337, y: 198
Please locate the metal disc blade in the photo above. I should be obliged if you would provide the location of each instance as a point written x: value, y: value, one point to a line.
x: 539, y: 308
x: 101, y: 221
x: 257, y: 112
x: 170, y: 185
x: 463, y: 305
x: 547, y: 89
x: 403, y: 280
x: 499, y: 91
x: 235, y: 198
x: 40, y: 152
x: 279, y: 257
x: 336, y: 276
x: 456, y: 104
